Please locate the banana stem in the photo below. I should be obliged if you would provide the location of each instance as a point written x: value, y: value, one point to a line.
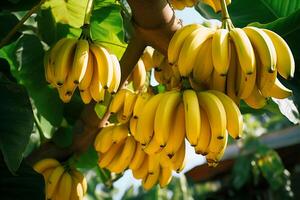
x: 88, y: 12
x: 226, y: 21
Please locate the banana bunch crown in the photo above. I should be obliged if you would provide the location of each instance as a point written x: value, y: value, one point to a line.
x: 73, y: 63
x: 62, y: 182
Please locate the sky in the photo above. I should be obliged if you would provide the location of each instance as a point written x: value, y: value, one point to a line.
x: 188, y: 16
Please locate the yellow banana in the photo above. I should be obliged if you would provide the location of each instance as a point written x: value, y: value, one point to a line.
x: 256, y: 100
x: 279, y: 91
x: 77, y: 190
x: 64, y: 187
x: 244, y: 49
x: 178, y: 160
x: 204, y: 63
x: 104, y: 64
x: 151, y: 179
x: 117, y: 101
x: 192, y: 116
x: 116, y: 79
x: 139, y: 75
x: 140, y: 102
x: 233, y: 115
x: 86, y: 96
x: 145, y: 124
x: 285, y: 60
x: 205, y: 135
x: 80, y: 177
x: 221, y: 51
x: 63, y: 61
x: 157, y: 58
x: 80, y: 61
x: 165, y: 160
x: 177, y: 41
x: 164, y: 116
x: 53, y: 180
x: 216, y: 114
x: 87, y: 77
x: 119, y: 133
x: 177, y: 5
x: 129, y: 101
x: 165, y: 176
x: 177, y: 132
x: 215, y: 4
x: 214, y: 157
x: 132, y: 126
x: 96, y: 89
x: 104, y: 139
x: 49, y: 74
x: 123, y: 159
x: 45, y: 164
x: 138, y: 158
x: 147, y: 58
x: 153, y: 163
x: 121, y: 118
x: 106, y: 158
x: 142, y: 171
x: 152, y: 147
x: 190, y: 48
x: 218, y: 81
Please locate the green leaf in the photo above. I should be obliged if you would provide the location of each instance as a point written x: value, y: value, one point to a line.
x: 100, y: 110
x: 16, y: 123
x: 7, y: 22
x: 27, y: 185
x: 107, y: 29
x: 70, y: 12
x: 88, y: 159
x: 17, y: 5
x: 247, y: 11
x: 26, y: 62
x: 241, y: 171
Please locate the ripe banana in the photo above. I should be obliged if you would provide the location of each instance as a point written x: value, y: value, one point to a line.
x: 142, y: 171
x: 216, y: 114
x: 117, y: 101
x: 80, y: 61
x: 104, y: 64
x: 192, y: 116
x: 205, y: 134
x: 233, y: 115
x: 285, y: 60
x: 104, y: 139
x: 218, y: 81
x: 119, y: 133
x: 63, y: 61
x: 213, y: 158
x: 164, y: 115
x: 53, y: 180
x: 204, y: 64
x: 80, y: 177
x: 177, y: 132
x: 132, y: 126
x: 86, y: 96
x: 77, y: 190
x: 45, y: 164
x: 256, y: 100
x: 221, y: 51
x: 138, y: 158
x: 150, y: 180
x: 145, y: 124
x: 191, y: 47
x: 147, y: 58
x: 139, y: 75
x: 153, y: 163
x: 279, y: 91
x: 177, y: 41
x: 165, y: 176
x: 96, y: 89
x: 116, y: 77
x: 215, y: 4
x: 244, y: 50
x: 106, y: 158
x: 87, y: 78
x: 65, y: 186
x: 129, y: 102
x: 178, y: 160
x: 152, y: 147
x: 140, y: 102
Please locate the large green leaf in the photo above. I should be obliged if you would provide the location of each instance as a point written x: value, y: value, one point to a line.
x: 7, y: 22
x: 70, y: 12
x: 107, y: 28
x: 16, y: 123
x: 247, y: 11
x: 27, y: 185
x: 26, y: 61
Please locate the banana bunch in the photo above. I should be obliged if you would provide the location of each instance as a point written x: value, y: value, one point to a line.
x: 73, y: 63
x: 61, y: 182
x: 215, y: 4
x: 243, y: 63
x: 138, y: 76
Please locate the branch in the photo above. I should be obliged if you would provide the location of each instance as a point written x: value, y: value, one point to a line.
x: 13, y: 31
x: 154, y: 23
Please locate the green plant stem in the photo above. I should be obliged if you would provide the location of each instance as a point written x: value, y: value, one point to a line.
x: 226, y: 21
x: 88, y: 12
x: 13, y: 31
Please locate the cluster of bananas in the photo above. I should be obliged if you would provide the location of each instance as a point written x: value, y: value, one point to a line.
x: 73, y: 63
x: 155, y: 132
x: 181, y: 4
x: 242, y: 63
x: 61, y: 182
